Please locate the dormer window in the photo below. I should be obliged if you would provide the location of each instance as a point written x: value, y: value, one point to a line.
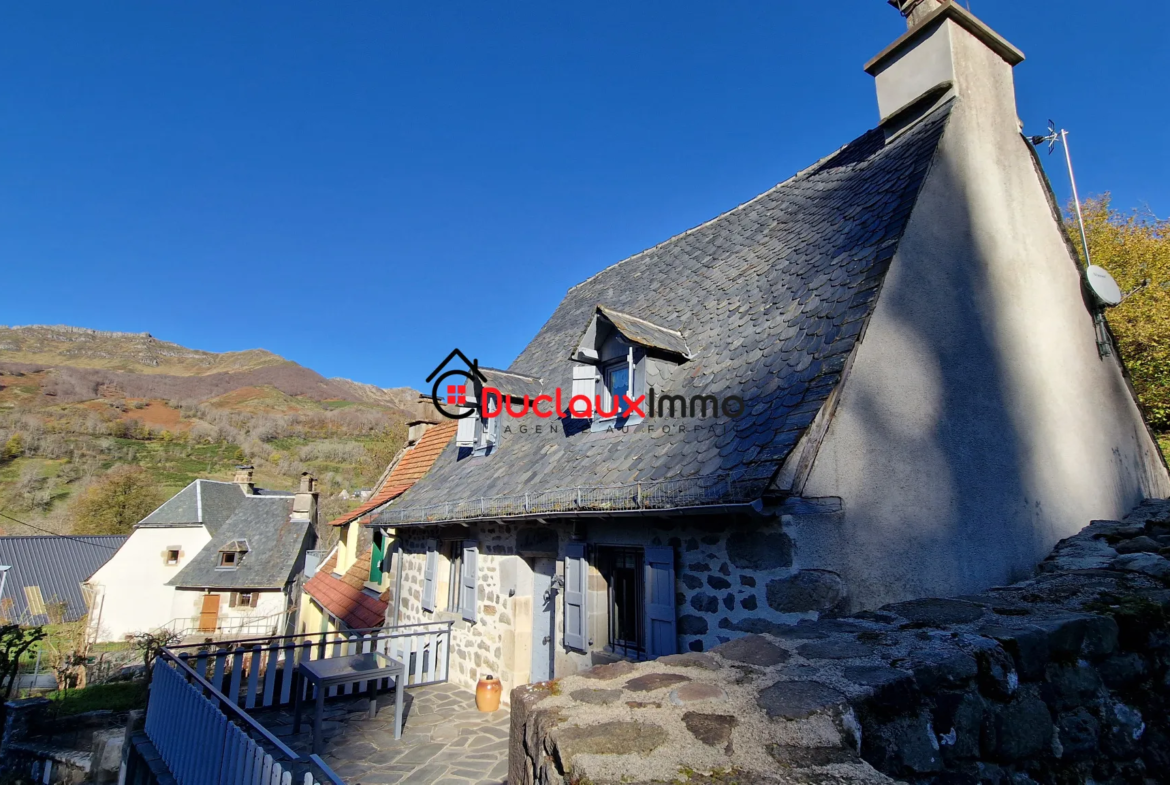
x: 232, y: 554
x: 614, y: 360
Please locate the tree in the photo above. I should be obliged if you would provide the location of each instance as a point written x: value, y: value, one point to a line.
x: 1135, y: 248
x: 13, y: 448
x: 14, y: 642
x: 150, y: 644
x: 117, y: 501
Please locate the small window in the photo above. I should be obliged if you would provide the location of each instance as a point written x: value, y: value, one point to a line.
x: 172, y: 556
x: 243, y: 599
x: 232, y: 554
x: 617, y: 385
x: 454, y: 573
x: 487, y: 431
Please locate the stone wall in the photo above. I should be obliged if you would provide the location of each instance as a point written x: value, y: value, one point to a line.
x: 477, y: 649
x: 1064, y: 677
x: 736, y: 576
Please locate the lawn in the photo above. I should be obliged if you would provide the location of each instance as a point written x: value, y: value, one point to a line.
x: 118, y: 696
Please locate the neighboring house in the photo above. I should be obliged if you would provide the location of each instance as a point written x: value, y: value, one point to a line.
x: 882, y: 379
x: 44, y: 581
x: 353, y: 586
x: 217, y: 557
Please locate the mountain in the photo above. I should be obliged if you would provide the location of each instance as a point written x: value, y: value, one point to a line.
x: 76, y: 402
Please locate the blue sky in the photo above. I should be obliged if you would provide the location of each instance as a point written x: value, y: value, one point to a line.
x: 360, y: 186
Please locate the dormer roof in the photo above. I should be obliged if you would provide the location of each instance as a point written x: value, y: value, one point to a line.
x: 634, y: 329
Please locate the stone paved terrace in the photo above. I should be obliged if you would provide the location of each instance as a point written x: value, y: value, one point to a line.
x: 445, y: 740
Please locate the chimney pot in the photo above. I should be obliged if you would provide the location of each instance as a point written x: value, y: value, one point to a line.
x: 917, y: 10
x: 244, y: 479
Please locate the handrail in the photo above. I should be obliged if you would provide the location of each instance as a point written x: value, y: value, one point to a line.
x: 225, y: 702
x: 325, y: 770
x: 377, y: 632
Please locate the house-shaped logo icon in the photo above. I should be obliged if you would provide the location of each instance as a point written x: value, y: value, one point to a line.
x: 450, y: 386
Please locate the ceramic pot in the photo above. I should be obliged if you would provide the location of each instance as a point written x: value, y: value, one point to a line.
x: 487, y: 693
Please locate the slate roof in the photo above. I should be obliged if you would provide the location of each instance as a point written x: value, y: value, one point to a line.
x: 344, y: 596
x: 57, y: 565
x: 274, y: 542
x: 203, y: 502
x: 770, y: 297
x: 413, y: 464
x: 513, y: 384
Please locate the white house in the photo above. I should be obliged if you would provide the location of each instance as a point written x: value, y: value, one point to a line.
x: 216, y: 557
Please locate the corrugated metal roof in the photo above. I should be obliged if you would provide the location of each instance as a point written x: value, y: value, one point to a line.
x: 56, y: 566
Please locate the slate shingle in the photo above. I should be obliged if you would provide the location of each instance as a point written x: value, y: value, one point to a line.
x: 770, y: 299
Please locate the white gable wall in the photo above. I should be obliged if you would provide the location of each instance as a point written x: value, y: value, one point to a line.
x: 132, y: 591
x: 978, y: 424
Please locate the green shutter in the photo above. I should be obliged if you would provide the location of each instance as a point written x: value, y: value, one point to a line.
x: 376, y: 558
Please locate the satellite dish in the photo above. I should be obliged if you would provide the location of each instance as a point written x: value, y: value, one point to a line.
x: 1104, y: 288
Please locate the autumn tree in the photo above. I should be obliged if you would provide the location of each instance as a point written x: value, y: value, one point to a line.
x: 115, y: 502
x: 1135, y: 249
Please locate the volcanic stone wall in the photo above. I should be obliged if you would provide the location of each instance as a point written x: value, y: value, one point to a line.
x: 1061, y: 678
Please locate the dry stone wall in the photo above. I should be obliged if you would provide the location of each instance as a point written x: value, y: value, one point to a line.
x: 1062, y: 678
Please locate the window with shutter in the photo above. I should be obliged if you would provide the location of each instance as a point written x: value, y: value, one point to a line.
x: 576, y: 585
x: 467, y: 584
x: 376, y: 557
x: 585, y: 383
x: 465, y: 431
x: 661, y: 634
x: 432, y: 560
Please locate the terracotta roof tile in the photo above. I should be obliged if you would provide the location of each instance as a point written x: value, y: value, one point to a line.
x: 414, y: 463
x: 343, y: 596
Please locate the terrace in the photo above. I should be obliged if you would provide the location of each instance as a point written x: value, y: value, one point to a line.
x: 222, y: 713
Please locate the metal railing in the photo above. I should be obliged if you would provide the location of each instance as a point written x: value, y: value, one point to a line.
x: 204, y: 739
x: 235, y: 677
x: 189, y: 626
x: 259, y: 672
x: 703, y: 490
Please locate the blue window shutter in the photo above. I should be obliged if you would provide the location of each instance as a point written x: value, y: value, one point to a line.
x: 576, y: 590
x: 467, y: 580
x: 428, y: 594
x: 661, y: 632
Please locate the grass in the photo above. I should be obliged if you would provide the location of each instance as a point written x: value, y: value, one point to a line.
x: 119, y: 696
x: 1164, y: 443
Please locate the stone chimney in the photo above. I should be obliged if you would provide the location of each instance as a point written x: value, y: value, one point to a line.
x: 244, y: 479
x: 424, y: 416
x: 946, y: 52
x: 305, y: 502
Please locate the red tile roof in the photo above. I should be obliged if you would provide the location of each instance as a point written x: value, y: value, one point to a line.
x: 415, y: 462
x: 343, y: 596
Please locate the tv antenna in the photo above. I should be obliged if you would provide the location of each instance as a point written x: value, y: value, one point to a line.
x: 1061, y: 136
x: 1097, y: 279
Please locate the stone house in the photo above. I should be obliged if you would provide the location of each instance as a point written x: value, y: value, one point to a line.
x: 352, y: 588
x: 882, y: 379
x: 217, y: 557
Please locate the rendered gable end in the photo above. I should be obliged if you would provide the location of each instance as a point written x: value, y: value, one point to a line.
x: 978, y: 424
